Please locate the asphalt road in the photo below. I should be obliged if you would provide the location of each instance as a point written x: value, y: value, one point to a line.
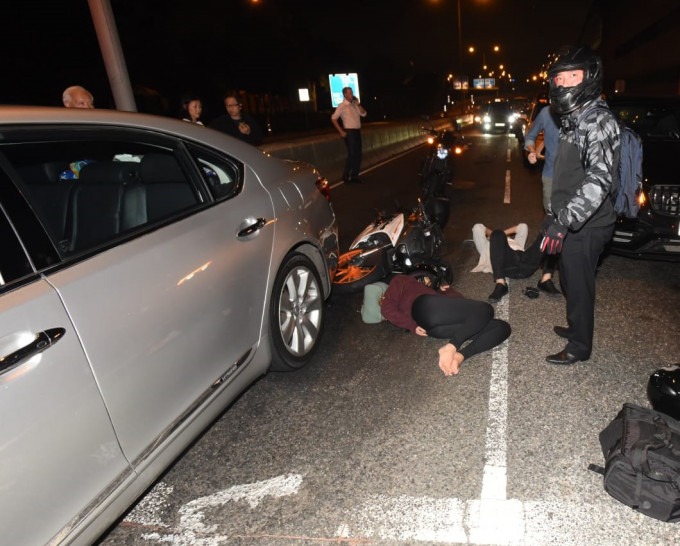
x: 371, y: 444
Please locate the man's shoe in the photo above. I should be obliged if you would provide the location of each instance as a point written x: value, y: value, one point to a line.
x: 355, y: 180
x: 562, y: 358
x: 549, y: 288
x: 498, y: 292
x: 562, y: 331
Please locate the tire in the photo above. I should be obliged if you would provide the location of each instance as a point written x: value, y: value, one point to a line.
x: 434, y: 185
x: 297, y: 314
x: 350, y: 278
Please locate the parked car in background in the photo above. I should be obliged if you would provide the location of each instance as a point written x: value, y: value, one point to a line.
x: 655, y: 233
x: 151, y: 270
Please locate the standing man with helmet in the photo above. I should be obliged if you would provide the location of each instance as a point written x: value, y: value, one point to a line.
x: 582, y: 218
x: 350, y: 112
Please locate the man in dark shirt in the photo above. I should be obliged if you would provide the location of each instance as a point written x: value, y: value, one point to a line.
x: 237, y: 123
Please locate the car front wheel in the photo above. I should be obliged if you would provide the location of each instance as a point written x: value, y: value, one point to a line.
x: 297, y: 314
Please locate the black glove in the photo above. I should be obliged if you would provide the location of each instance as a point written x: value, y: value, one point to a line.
x: 553, y: 236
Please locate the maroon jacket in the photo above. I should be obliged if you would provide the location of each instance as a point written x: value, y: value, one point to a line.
x: 402, y: 291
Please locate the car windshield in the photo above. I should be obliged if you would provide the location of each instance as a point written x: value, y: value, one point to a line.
x: 658, y: 122
x: 499, y: 109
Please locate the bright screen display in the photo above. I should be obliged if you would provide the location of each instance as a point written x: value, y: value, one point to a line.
x: 338, y: 82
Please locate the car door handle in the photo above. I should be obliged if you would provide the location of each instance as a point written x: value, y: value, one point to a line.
x: 252, y: 228
x: 42, y: 341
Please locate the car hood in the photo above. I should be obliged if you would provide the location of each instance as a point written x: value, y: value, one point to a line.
x: 660, y: 160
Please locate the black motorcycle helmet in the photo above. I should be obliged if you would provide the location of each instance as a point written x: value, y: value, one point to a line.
x: 568, y: 99
x: 663, y: 391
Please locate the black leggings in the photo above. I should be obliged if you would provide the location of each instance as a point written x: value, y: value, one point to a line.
x: 458, y: 320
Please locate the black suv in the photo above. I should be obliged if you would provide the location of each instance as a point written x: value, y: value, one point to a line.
x: 655, y: 233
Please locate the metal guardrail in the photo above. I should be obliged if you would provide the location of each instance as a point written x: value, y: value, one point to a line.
x: 380, y: 140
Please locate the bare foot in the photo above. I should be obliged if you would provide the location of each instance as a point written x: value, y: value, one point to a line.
x: 457, y: 361
x: 446, y: 359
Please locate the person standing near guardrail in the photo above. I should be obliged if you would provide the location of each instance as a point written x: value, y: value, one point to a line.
x: 350, y: 112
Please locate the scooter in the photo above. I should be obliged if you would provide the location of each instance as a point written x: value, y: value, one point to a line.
x: 397, y: 244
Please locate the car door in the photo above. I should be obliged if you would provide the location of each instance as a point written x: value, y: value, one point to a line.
x: 58, y: 451
x: 170, y: 305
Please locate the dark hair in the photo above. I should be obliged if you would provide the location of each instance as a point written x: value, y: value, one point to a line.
x: 184, y: 105
x: 232, y: 95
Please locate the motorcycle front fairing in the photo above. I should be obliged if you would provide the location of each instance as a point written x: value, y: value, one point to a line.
x: 390, y: 227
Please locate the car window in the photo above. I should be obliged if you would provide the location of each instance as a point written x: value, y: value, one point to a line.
x: 222, y: 175
x: 89, y: 193
x: 14, y: 264
x: 650, y: 121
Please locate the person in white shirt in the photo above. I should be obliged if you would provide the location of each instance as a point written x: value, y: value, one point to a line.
x: 350, y: 112
x: 503, y: 255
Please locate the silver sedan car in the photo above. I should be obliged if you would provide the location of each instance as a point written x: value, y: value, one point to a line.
x: 151, y: 269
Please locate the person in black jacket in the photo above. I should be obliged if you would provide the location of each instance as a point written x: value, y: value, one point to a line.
x: 582, y: 218
x: 238, y: 123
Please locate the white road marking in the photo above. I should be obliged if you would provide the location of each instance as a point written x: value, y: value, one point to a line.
x: 192, y: 529
x: 506, y: 196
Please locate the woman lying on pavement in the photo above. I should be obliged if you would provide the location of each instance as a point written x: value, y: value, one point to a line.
x: 443, y: 314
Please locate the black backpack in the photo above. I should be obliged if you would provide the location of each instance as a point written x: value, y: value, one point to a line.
x: 641, y: 448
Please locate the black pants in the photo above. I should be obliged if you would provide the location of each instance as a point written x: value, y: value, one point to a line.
x: 578, y: 262
x: 353, y: 163
x: 516, y: 264
x: 458, y: 320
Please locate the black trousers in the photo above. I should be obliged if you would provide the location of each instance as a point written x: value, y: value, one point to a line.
x: 458, y: 320
x: 516, y: 264
x: 353, y: 162
x: 580, y: 253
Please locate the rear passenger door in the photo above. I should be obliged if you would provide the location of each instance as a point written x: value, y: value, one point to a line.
x: 58, y: 448
x: 165, y: 296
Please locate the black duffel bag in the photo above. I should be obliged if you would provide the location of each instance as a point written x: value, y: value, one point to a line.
x: 641, y: 449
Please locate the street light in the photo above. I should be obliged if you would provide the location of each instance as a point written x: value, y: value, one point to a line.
x: 495, y: 49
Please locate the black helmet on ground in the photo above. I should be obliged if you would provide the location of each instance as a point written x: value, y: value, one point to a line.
x: 663, y: 391
x: 568, y: 99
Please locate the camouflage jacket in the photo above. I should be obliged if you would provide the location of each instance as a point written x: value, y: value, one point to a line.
x: 595, y: 133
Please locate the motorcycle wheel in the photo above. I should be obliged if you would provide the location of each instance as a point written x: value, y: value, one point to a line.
x: 351, y: 278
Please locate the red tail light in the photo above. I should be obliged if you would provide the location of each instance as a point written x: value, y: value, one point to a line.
x: 323, y: 186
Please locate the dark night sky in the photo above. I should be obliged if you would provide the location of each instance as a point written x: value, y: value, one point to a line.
x: 209, y: 46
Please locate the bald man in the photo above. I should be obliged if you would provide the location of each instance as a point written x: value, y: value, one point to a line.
x: 77, y: 97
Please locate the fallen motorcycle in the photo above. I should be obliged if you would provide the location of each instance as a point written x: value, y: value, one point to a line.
x: 398, y: 244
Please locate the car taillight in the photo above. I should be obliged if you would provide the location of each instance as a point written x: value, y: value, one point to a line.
x: 323, y: 186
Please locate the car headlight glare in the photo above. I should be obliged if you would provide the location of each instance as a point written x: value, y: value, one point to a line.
x: 486, y: 119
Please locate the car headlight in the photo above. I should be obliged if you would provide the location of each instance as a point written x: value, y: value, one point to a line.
x: 486, y: 119
x: 442, y: 152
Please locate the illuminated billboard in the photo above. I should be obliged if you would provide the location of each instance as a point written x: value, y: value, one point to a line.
x: 340, y: 81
